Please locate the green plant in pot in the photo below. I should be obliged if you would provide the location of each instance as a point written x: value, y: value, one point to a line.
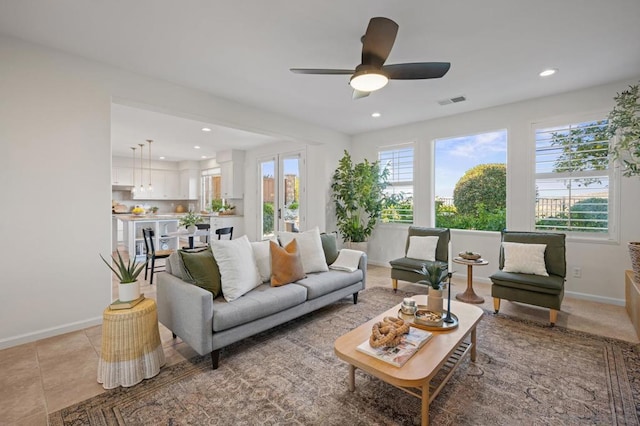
x: 624, y: 128
x: 189, y: 221
x: 435, y: 275
x: 127, y: 273
x: 357, y: 191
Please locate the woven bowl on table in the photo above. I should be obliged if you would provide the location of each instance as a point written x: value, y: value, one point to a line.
x: 467, y: 256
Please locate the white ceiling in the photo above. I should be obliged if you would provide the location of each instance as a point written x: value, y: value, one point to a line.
x: 243, y: 51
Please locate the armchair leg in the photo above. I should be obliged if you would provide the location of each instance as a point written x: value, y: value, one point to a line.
x: 553, y: 316
x: 394, y: 283
x: 496, y: 305
x: 355, y: 298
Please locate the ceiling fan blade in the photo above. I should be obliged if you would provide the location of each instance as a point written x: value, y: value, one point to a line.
x: 378, y: 41
x: 358, y: 94
x: 320, y: 71
x: 416, y: 70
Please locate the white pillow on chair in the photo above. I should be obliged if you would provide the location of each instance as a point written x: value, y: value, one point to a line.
x: 422, y: 248
x: 524, y: 258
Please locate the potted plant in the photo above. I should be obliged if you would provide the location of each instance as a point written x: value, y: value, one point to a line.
x: 357, y: 191
x: 189, y: 221
x: 624, y: 128
x: 127, y: 273
x: 435, y: 275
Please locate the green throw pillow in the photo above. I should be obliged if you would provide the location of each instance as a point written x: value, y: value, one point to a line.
x: 330, y: 247
x: 203, y: 270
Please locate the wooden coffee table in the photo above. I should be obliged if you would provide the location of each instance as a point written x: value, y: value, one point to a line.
x: 443, y: 353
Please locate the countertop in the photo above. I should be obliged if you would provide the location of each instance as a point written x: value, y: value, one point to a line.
x: 162, y: 216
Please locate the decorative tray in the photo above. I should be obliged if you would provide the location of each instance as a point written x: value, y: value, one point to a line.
x: 444, y: 327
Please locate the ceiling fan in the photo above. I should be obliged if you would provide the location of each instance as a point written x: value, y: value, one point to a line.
x: 372, y: 74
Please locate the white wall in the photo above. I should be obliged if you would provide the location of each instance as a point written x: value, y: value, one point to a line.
x: 602, y: 264
x: 55, y: 138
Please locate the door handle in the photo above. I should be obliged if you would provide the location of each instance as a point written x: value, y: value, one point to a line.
x: 279, y: 213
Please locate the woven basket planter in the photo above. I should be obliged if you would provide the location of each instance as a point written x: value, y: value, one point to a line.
x: 634, y: 253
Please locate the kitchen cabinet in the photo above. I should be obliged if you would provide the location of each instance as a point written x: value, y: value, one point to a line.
x: 189, y: 184
x: 225, y: 221
x: 122, y: 176
x: 232, y: 174
x: 166, y: 186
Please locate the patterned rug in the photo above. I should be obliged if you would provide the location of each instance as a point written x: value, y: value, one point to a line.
x: 525, y: 373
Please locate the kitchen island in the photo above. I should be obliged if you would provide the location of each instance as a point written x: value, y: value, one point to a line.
x: 162, y: 225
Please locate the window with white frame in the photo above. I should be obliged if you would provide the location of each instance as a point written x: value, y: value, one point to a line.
x: 398, y: 196
x: 573, y: 178
x: 210, y: 188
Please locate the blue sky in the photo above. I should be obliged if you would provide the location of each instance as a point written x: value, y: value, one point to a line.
x: 454, y: 156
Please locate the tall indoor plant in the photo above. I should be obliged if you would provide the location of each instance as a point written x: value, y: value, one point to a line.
x: 127, y: 273
x: 624, y: 128
x: 357, y: 191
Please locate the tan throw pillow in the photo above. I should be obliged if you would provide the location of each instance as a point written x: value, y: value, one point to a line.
x: 286, y: 266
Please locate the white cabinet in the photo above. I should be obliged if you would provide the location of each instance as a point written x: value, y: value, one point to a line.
x: 232, y: 174
x: 189, y: 184
x: 122, y: 176
x: 166, y: 186
x: 161, y: 229
x: 225, y: 221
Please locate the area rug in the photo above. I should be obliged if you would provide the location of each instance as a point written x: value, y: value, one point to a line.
x: 525, y: 373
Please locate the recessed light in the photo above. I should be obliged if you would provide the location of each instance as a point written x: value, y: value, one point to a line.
x: 206, y: 129
x: 162, y: 158
x: 204, y: 156
x: 548, y: 72
x: 376, y: 114
x: 196, y: 147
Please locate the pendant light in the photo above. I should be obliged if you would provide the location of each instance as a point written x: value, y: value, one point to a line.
x: 141, y: 145
x: 150, y: 187
x: 133, y: 169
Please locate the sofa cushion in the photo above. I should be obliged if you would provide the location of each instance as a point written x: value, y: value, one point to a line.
x: 330, y: 246
x: 286, y: 266
x: 552, y: 284
x: 203, y: 270
x: 263, y: 259
x: 310, y: 246
x: 238, y: 270
x: 260, y: 302
x: 323, y: 283
x: 175, y: 266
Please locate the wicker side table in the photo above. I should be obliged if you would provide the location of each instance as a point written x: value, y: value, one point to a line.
x: 131, y: 347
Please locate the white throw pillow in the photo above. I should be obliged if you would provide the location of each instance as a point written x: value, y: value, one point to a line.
x: 262, y: 255
x: 422, y: 248
x: 238, y: 270
x: 310, y: 247
x: 524, y: 258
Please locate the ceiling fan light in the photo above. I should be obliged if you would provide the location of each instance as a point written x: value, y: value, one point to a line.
x: 366, y: 81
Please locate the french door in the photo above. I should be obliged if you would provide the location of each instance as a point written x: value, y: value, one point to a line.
x: 282, y: 194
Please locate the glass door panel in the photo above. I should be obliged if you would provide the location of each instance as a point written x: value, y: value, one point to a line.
x: 290, y: 193
x: 268, y: 198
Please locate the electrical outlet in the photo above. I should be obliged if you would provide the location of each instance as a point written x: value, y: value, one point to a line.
x: 577, y: 272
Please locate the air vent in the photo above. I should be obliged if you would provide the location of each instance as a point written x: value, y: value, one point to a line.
x: 453, y: 100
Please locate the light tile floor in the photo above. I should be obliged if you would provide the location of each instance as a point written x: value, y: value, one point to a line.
x: 44, y: 376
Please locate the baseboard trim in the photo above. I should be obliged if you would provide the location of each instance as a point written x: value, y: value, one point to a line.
x: 49, y: 332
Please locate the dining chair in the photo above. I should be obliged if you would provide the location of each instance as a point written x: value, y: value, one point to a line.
x: 152, y: 253
x: 225, y: 231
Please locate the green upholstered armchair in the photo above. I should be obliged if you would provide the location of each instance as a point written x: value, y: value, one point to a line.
x: 533, y: 289
x: 409, y: 269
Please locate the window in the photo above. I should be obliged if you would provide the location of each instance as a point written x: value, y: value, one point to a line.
x: 471, y: 181
x: 211, y: 189
x: 398, y: 201
x: 573, y: 176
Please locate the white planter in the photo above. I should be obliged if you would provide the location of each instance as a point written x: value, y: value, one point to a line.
x: 129, y: 291
x: 357, y: 246
x: 435, y: 302
x: 192, y: 229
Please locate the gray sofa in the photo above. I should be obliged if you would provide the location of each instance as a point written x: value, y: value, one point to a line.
x: 208, y: 324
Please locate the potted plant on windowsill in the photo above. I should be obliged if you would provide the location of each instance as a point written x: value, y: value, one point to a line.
x: 127, y: 273
x: 357, y: 191
x: 189, y: 221
x: 624, y: 128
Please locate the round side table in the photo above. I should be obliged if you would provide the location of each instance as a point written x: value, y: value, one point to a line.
x: 469, y: 295
x: 131, y: 348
